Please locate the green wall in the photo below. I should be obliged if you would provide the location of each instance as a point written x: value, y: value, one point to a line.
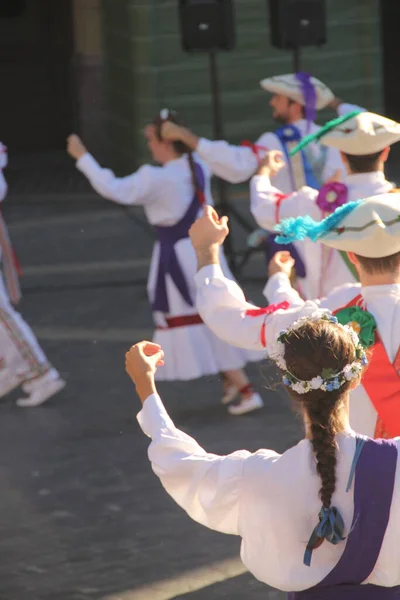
x: 145, y: 69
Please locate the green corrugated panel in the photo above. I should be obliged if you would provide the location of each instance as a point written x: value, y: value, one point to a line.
x: 146, y: 69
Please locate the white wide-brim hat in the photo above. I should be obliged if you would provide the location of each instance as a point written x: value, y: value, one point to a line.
x: 290, y: 86
x: 365, y: 133
x: 372, y: 229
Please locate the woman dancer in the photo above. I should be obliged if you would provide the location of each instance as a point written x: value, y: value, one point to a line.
x: 173, y: 195
x: 319, y: 521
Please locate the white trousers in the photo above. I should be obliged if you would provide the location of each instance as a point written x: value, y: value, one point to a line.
x: 19, y: 348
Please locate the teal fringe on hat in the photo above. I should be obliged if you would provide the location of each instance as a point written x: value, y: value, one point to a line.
x: 323, y: 131
x: 300, y: 228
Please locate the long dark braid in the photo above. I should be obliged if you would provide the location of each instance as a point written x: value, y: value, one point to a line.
x: 179, y: 147
x: 315, y: 346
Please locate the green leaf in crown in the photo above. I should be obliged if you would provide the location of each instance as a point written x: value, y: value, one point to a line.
x: 361, y: 321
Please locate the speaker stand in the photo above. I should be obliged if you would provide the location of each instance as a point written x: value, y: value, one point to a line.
x: 218, y: 134
x: 296, y: 59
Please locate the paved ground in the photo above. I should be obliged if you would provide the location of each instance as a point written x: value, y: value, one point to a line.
x: 81, y: 514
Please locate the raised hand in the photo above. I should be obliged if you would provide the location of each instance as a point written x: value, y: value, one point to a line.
x: 75, y: 146
x: 171, y: 131
x: 272, y: 163
x: 281, y: 262
x: 141, y: 363
x: 209, y: 230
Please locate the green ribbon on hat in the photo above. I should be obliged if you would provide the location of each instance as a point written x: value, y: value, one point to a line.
x: 323, y: 131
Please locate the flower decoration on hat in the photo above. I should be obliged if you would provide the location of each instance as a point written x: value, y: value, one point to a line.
x: 328, y: 380
x: 331, y: 196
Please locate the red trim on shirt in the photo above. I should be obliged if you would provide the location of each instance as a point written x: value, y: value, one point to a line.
x: 279, y: 198
x: 255, y: 148
x: 267, y: 310
x: 182, y: 321
x: 381, y: 381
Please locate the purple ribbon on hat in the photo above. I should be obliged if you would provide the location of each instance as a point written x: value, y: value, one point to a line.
x: 309, y: 95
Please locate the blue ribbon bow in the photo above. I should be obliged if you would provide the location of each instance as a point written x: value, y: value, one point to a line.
x: 329, y: 528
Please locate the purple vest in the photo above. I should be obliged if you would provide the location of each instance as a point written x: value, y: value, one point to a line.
x: 168, y: 262
x: 373, y: 490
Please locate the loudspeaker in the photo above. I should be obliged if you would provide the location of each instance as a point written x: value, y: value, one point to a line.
x: 207, y: 25
x: 296, y: 23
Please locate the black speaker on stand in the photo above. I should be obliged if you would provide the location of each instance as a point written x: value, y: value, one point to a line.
x: 297, y: 23
x: 208, y: 26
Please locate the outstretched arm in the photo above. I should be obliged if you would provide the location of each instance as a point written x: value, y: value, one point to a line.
x: 269, y: 205
x: 220, y: 301
x: 130, y: 190
x: 232, y: 163
x: 208, y: 487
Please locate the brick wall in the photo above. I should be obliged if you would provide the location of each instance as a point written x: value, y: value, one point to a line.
x: 145, y: 69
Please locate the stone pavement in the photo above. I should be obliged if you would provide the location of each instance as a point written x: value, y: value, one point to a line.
x: 81, y: 514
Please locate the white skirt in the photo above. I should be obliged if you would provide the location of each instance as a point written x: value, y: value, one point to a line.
x: 191, y: 351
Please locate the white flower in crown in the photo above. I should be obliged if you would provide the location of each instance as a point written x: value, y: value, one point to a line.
x: 353, y: 334
x: 352, y: 371
x: 316, y: 383
x: 301, y: 387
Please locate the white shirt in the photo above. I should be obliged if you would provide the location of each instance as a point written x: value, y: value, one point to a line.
x: 325, y: 268
x: 222, y: 306
x: 236, y: 163
x: 164, y: 192
x: 270, y: 500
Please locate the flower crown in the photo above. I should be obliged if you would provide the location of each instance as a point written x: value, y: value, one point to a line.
x: 329, y: 380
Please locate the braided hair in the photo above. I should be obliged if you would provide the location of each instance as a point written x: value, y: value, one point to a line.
x: 309, y: 350
x: 180, y: 148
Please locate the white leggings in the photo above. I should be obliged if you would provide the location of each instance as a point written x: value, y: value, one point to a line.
x: 19, y: 347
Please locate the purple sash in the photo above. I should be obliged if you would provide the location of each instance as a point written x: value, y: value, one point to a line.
x: 168, y: 262
x: 373, y: 491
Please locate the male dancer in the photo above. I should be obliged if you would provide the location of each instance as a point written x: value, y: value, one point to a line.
x: 369, y: 232
x: 364, y: 143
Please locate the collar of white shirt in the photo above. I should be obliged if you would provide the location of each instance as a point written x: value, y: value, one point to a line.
x: 361, y: 179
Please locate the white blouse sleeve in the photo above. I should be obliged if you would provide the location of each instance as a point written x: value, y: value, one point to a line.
x: 130, y: 190
x: 224, y: 309
x: 232, y: 163
x: 269, y: 205
x: 207, y: 486
x: 279, y: 289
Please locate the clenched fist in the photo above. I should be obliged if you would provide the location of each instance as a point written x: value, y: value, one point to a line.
x: 141, y: 363
x: 281, y: 262
x: 209, y: 230
x: 75, y: 146
x: 171, y: 131
x: 272, y: 163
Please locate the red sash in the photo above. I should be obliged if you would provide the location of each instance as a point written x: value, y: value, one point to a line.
x: 381, y: 381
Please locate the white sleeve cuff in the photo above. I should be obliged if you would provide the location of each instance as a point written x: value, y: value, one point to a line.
x: 275, y: 282
x: 87, y: 164
x: 208, y: 272
x: 203, y: 147
x: 153, y: 417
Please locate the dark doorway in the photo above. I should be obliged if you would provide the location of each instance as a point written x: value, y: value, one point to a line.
x: 36, y: 51
x: 390, y: 39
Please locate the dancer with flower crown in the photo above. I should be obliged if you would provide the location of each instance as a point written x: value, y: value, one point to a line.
x: 364, y: 140
x: 303, y: 516
x: 369, y: 232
